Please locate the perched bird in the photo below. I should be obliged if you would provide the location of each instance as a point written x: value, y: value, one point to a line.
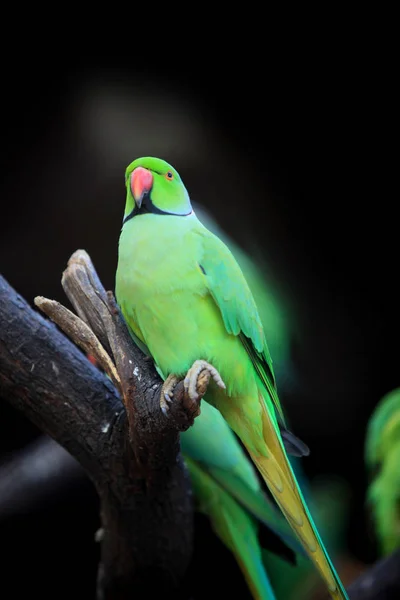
x: 186, y: 300
x: 226, y: 488
x: 382, y: 457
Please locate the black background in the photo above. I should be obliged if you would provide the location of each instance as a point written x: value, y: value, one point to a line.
x: 297, y: 162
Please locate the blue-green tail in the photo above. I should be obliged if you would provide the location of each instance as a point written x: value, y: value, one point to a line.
x: 235, y: 528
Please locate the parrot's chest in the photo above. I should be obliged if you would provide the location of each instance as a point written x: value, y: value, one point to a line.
x: 165, y: 298
x: 157, y: 258
x: 158, y: 269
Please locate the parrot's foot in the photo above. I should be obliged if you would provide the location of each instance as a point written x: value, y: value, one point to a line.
x: 167, y: 392
x: 182, y: 408
x: 199, y: 370
x: 188, y: 395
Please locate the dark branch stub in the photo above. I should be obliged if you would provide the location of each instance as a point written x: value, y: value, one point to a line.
x: 136, y: 374
x: 134, y: 462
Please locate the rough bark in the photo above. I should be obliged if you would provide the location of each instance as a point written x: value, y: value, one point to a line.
x: 128, y: 448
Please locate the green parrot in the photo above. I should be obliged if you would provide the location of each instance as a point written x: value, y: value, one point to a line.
x: 225, y: 485
x: 382, y: 457
x: 186, y: 300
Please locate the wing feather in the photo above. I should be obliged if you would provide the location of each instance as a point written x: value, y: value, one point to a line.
x: 231, y: 293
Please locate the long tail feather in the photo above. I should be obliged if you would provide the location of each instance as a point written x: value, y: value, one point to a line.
x: 259, y: 505
x: 277, y: 472
x: 234, y: 526
x: 245, y: 547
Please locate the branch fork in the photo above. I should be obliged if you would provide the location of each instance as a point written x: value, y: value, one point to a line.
x: 132, y: 456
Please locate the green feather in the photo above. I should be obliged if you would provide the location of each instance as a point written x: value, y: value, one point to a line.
x: 234, y: 526
x: 231, y: 293
x: 213, y: 445
x: 276, y: 312
x: 382, y: 456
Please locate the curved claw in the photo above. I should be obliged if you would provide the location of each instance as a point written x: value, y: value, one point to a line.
x: 167, y: 392
x: 195, y: 386
x: 168, y: 397
x: 190, y: 381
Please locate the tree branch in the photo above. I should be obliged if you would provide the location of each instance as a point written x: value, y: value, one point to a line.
x: 78, y: 331
x: 47, y: 378
x: 379, y: 582
x: 145, y: 495
x: 37, y: 474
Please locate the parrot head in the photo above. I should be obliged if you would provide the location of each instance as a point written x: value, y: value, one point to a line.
x: 153, y: 186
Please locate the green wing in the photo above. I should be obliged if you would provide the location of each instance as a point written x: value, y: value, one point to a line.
x: 230, y: 291
x: 276, y: 313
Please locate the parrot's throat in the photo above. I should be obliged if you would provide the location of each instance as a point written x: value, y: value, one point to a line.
x: 146, y: 207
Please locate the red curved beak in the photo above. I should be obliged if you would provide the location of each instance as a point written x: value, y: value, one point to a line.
x: 141, y: 183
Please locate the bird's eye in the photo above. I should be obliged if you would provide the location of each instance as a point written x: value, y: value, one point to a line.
x: 169, y: 175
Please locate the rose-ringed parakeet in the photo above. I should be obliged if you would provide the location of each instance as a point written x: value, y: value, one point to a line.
x: 185, y: 298
x: 382, y: 457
